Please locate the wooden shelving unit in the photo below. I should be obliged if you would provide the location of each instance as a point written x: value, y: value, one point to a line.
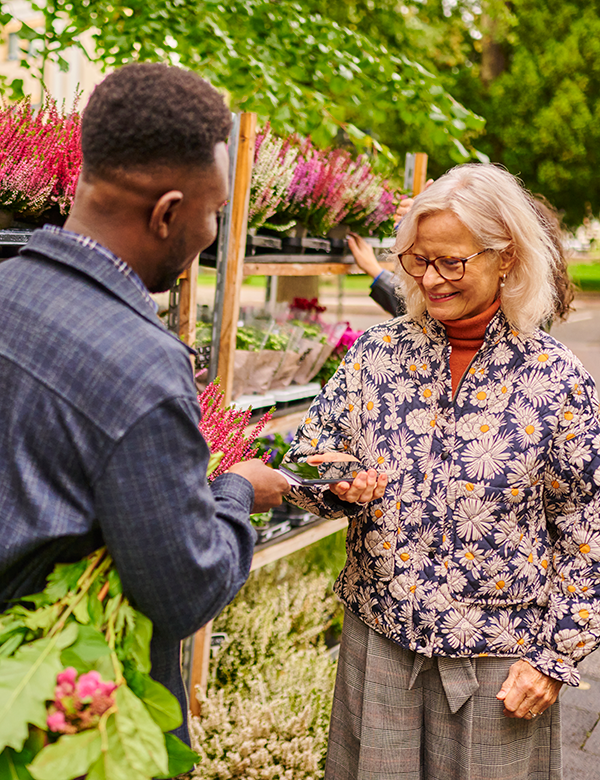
x: 295, y: 540
x: 232, y: 267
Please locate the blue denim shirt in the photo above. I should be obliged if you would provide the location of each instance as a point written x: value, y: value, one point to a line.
x: 99, y: 444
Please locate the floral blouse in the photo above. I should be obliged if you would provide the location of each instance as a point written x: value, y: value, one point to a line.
x: 487, y: 540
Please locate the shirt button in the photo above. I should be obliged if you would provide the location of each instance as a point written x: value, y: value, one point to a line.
x: 445, y: 455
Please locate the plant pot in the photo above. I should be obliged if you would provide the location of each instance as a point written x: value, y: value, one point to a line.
x: 339, y: 246
x: 305, y: 245
x: 12, y: 239
x: 272, y: 530
x: 262, y: 245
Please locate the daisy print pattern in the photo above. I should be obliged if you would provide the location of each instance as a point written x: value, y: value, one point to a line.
x: 487, y: 540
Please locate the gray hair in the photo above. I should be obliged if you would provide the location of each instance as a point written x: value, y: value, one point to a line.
x: 499, y: 212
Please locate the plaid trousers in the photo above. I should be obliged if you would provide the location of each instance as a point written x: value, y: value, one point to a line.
x: 400, y: 716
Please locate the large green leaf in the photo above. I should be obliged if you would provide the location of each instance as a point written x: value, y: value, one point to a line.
x: 162, y: 705
x: 141, y: 738
x: 85, y: 652
x: 181, y: 757
x: 64, y: 578
x: 136, y: 646
x: 115, y: 760
x: 68, y: 758
x: 27, y: 681
x: 13, y: 766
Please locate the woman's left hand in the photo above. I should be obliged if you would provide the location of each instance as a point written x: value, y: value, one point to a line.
x: 527, y: 693
x: 367, y: 486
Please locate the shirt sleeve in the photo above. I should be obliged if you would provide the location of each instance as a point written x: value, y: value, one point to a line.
x: 182, y: 548
x: 329, y: 426
x: 570, y: 628
x: 383, y: 292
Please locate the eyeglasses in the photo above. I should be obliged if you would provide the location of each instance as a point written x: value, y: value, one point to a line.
x: 452, y: 269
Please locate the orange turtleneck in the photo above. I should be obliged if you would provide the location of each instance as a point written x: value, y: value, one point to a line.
x: 466, y: 337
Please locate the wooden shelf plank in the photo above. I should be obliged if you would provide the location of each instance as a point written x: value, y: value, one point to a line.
x: 282, y: 424
x: 296, y: 269
x: 296, y: 540
x: 304, y: 268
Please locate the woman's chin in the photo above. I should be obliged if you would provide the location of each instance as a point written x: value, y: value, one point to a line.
x: 445, y: 309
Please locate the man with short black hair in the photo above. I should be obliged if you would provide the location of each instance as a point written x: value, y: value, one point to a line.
x: 99, y: 440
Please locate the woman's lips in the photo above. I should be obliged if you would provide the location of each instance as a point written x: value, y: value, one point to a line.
x: 442, y: 297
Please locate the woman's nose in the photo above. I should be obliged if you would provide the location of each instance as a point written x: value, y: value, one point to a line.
x: 431, y: 276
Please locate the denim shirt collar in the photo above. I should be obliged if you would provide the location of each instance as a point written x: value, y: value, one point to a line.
x: 94, y: 260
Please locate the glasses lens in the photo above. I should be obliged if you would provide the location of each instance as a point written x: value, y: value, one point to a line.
x: 413, y: 265
x: 451, y: 268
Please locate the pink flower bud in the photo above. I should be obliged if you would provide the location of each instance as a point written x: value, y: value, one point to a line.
x: 67, y: 678
x: 88, y: 684
x: 56, y: 722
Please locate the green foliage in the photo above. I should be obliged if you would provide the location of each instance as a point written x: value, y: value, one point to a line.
x: 542, y: 104
x: 161, y: 704
x: 181, y: 757
x: 27, y: 681
x: 287, y: 61
x: 68, y: 758
x: 82, y: 620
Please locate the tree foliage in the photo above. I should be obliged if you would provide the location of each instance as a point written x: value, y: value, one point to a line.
x: 302, y: 69
x: 542, y: 108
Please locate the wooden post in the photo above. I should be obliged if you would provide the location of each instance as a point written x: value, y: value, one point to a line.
x: 200, y: 662
x: 420, y: 173
x: 236, y: 251
x: 187, y: 304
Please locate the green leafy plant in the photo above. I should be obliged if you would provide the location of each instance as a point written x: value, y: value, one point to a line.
x: 76, y: 696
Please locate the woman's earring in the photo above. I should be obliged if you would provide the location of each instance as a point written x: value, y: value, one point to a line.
x: 502, y: 283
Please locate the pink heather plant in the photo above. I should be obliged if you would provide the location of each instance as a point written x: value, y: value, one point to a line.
x: 79, y: 703
x: 319, y: 188
x: 223, y: 430
x: 40, y: 158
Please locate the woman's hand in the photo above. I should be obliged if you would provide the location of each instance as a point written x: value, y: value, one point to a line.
x: 364, y: 488
x: 527, y: 693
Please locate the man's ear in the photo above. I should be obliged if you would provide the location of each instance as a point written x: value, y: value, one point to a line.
x: 164, y: 213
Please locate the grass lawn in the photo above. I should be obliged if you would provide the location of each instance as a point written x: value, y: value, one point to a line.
x: 352, y: 282
x: 586, y: 275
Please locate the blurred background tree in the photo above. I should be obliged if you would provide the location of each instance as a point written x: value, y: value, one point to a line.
x: 386, y: 76
x: 302, y: 69
x: 535, y: 78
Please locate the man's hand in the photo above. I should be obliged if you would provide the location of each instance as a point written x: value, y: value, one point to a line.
x: 364, y: 488
x: 364, y: 256
x: 269, y: 486
x: 527, y: 693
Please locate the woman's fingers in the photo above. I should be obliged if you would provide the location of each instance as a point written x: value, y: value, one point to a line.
x: 526, y: 692
x: 326, y: 457
x: 366, y: 487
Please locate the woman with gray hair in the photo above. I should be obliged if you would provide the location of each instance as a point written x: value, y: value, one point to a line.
x: 472, y: 578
